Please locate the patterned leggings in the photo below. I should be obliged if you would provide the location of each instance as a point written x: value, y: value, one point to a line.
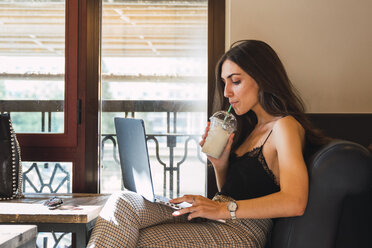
x: 128, y: 220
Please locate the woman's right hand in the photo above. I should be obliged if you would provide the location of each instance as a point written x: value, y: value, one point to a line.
x: 222, y: 162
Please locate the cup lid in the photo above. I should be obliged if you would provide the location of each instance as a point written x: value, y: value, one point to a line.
x: 229, y: 120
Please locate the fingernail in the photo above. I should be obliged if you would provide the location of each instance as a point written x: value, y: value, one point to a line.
x: 176, y: 213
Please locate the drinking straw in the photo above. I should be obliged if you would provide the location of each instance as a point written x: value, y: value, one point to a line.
x: 228, y: 111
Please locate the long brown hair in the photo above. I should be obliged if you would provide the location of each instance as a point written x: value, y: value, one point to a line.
x: 276, y: 94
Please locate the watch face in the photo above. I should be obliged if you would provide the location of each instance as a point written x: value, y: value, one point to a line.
x: 232, y: 206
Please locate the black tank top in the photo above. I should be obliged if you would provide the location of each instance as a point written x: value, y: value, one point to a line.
x: 248, y: 176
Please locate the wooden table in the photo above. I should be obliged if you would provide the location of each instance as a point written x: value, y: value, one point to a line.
x: 77, y: 214
x: 18, y: 236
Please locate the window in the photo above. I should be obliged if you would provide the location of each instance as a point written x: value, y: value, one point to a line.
x: 32, y: 64
x: 154, y: 67
x: 54, y: 104
x: 38, y: 87
x: 33, y: 70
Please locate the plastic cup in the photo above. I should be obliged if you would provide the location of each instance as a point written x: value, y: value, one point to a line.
x: 222, y: 125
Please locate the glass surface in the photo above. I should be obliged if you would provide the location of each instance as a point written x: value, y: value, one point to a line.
x: 154, y: 67
x: 47, y: 177
x: 32, y: 64
x: 54, y: 239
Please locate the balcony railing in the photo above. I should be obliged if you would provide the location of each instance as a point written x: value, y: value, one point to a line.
x: 171, y: 108
x: 173, y: 166
x: 128, y: 108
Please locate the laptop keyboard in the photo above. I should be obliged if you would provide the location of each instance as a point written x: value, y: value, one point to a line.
x: 165, y: 201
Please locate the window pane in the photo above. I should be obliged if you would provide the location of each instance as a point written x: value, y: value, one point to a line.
x: 47, y: 177
x: 32, y: 64
x: 154, y: 67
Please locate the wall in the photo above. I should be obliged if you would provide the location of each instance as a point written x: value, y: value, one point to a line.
x: 325, y: 45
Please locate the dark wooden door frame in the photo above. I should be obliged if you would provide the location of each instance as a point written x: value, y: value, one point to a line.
x: 216, y: 48
x: 89, y: 55
x: 62, y: 147
x: 69, y: 137
x: 79, y: 144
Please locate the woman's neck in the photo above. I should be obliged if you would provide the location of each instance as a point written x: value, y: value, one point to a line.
x: 263, y: 118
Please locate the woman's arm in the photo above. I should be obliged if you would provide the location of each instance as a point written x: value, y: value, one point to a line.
x: 291, y: 200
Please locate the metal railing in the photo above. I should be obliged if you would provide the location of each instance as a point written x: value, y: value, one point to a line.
x: 59, y: 172
x: 128, y: 108
x: 45, y: 107
x: 173, y: 166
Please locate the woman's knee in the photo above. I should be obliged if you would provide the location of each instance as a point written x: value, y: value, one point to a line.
x: 120, y: 205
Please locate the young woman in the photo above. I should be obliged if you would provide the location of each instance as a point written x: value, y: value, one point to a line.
x: 260, y: 175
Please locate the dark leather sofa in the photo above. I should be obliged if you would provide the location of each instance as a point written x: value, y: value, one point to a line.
x: 339, y: 210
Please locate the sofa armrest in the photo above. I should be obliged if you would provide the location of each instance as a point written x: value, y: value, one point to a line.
x: 338, y: 170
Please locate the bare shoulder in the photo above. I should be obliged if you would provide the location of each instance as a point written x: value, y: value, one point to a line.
x: 288, y: 128
x: 288, y: 123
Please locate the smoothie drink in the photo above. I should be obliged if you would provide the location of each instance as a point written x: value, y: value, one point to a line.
x: 222, y: 125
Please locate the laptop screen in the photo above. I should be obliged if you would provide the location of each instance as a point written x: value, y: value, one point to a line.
x: 134, y: 158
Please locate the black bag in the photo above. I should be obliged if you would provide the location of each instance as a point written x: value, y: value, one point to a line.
x: 10, y: 161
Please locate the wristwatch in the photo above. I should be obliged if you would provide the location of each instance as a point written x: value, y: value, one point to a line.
x: 232, y: 207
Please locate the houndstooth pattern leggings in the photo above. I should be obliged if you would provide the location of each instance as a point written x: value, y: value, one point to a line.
x: 128, y: 220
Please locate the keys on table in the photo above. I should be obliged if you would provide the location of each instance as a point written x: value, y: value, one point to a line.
x: 53, y: 203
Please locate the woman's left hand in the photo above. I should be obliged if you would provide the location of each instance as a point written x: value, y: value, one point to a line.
x: 201, y: 207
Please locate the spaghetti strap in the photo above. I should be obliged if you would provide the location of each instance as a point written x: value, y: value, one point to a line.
x: 267, y: 138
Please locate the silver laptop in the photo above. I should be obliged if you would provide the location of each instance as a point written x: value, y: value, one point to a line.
x: 134, y: 160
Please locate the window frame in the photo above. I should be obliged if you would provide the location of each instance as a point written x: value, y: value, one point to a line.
x: 216, y: 48
x: 69, y: 137
x: 67, y: 146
